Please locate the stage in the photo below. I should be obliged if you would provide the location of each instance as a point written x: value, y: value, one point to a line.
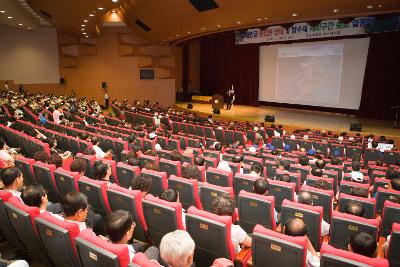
x: 295, y: 118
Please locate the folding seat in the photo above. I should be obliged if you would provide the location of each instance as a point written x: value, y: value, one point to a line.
x: 347, y: 177
x: 311, y: 215
x: 163, y: 154
x: 170, y: 167
x: 200, y: 130
x: 281, y: 190
x: 386, y: 194
x: 209, y: 142
x: 343, y: 226
x: 159, y: 181
x: 346, y: 186
x: 66, y: 181
x: 219, y: 135
x: 22, y: 219
x: 58, y: 238
x: 175, y: 126
x: 321, y: 146
x: 44, y: 174
x: 210, y: 162
x: 251, y: 135
x: 372, y: 154
x: 302, y: 170
x: 25, y: 165
x: 130, y: 200
x: 277, y: 142
x: 391, y: 157
x: 6, y: 227
x: 163, y: 141
x: 394, y: 246
x: 209, y: 132
x: 189, y: 158
x: 202, y: 171
x: 113, y: 166
x: 251, y: 160
x: 192, y: 142
x: 191, y: 128
x: 211, y: 234
x: 292, y: 143
x: 306, y: 144
x: 337, y: 168
x: 390, y: 216
x: 323, y: 198
x: 145, y: 159
x: 182, y: 126
x: 141, y: 260
x: 352, y: 150
x: 367, y: 203
x: 247, y: 170
x: 376, y: 174
x: 197, y: 152
x: 256, y: 209
x: 174, y: 144
x: 219, y: 177
x: 162, y: 217
x: 241, y: 137
x: 212, y: 154
x: 270, y: 248
x: 209, y: 192
x: 331, y: 256
x: 126, y: 173
x: 311, y: 179
x: 149, y: 144
x: 235, y: 167
x: 294, y: 178
x: 337, y: 148
x: 271, y: 168
x: 124, y: 155
x: 188, y: 191
x: 96, y: 192
x: 90, y: 159
x: 182, y: 141
x: 229, y: 137
x: 243, y: 182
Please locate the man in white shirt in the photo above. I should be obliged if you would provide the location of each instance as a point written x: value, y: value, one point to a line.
x: 297, y: 227
x: 305, y: 197
x: 75, y: 208
x: 119, y: 227
x: 261, y: 187
x: 256, y: 170
x: 356, y: 174
x: 106, y: 99
x: 100, y: 154
x: 4, y: 154
x: 13, y: 181
x: 57, y: 113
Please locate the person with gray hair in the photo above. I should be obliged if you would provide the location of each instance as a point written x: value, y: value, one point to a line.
x: 177, y: 249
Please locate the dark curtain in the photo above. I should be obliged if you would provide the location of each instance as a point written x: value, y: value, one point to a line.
x: 222, y: 63
x: 381, y: 88
x: 185, y: 72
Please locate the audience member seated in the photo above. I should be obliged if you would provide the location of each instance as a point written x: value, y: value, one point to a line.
x: 225, y: 206
x: 297, y: 227
x: 303, y: 160
x: 100, y: 154
x: 256, y: 169
x: 5, y: 154
x: 102, y: 172
x: 34, y: 195
x: 305, y: 197
x: 172, y: 195
x: 177, y: 249
x: 55, y: 159
x: 142, y: 182
x: 54, y: 150
x: 320, y: 164
x: 175, y: 155
x: 41, y: 156
x: 13, y: 181
x: 190, y: 172
x: 358, y: 192
x: 356, y: 174
x: 363, y: 244
x: 199, y: 161
x: 78, y: 165
x: 75, y: 208
x: 119, y: 227
x: 316, y: 172
x: 261, y: 187
x: 321, y: 184
x: 354, y: 208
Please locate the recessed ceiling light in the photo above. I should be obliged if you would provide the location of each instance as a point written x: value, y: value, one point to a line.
x: 294, y: 14
x: 177, y: 35
x: 335, y: 10
x: 82, y: 29
x: 163, y: 40
x: 9, y: 17
x: 91, y: 15
x: 84, y: 33
x: 20, y: 24
x: 113, y: 11
x: 114, y: 1
x: 218, y: 26
x: 189, y: 32
x: 259, y: 19
x: 83, y: 25
x: 29, y: 28
x: 380, y: 5
x: 100, y: 8
x: 369, y: 7
x: 85, y: 20
x: 202, y: 29
x: 2, y: 11
x: 238, y: 22
x: 265, y: 18
x: 87, y: 36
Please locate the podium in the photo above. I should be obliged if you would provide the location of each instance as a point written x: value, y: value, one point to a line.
x: 217, y: 102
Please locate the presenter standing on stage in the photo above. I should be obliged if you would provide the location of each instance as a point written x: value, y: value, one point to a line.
x: 231, y: 98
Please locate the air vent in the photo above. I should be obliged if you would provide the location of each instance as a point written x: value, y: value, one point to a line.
x: 44, y: 13
x: 204, y: 5
x: 142, y: 25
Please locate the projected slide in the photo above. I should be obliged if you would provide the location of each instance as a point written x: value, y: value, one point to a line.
x: 309, y: 73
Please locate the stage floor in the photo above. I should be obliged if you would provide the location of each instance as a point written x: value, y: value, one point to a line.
x: 296, y: 118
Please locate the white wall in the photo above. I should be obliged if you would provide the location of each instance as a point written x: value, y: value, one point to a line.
x: 354, y: 59
x: 29, y: 56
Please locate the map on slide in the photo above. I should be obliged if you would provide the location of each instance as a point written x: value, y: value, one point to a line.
x: 309, y: 75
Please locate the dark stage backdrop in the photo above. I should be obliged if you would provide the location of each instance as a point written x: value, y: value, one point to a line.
x: 381, y: 88
x: 223, y: 63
